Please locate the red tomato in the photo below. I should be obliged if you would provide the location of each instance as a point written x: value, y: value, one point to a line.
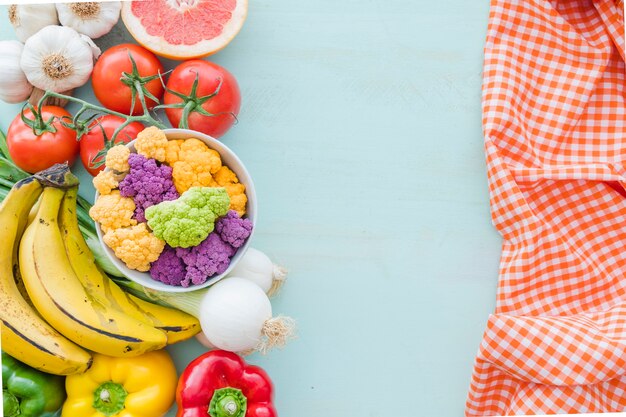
x: 93, y: 142
x: 107, y: 74
x: 35, y: 153
x: 224, y: 106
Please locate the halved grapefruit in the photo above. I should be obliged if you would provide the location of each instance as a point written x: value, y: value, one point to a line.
x: 183, y: 29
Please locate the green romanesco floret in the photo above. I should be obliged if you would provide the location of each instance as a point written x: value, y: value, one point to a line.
x: 187, y: 221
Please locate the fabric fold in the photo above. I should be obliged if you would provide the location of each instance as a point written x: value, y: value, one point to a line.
x: 574, y: 364
x: 554, y: 121
x: 582, y: 349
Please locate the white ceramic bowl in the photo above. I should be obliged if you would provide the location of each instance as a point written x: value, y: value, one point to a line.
x: 234, y: 163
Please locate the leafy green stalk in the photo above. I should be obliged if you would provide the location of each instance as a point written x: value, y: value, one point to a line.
x: 188, y: 302
x: 4, y: 149
x: 10, y: 174
x: 96, y: 248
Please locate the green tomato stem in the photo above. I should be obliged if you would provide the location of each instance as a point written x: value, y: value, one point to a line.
x: 142, y: 98
x: 84, y: 105
x: 37, y: 124
x: 146, y: 118
x: 184, y: 120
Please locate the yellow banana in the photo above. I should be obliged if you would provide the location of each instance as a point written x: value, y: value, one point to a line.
x: 178, y: 326
x: 25, y: 335
x: 17, y: 276
x: 33, y: 212
x: 61, y: 299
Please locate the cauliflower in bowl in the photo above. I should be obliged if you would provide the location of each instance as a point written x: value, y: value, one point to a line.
x: 171, y: 208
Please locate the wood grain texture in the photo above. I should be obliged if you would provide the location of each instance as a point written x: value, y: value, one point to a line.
x: 361, y: 128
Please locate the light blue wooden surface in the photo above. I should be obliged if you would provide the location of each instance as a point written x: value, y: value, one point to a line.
x: 361, y: 127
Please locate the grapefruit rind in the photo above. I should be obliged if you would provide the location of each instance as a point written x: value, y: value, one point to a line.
x: 204, y: 48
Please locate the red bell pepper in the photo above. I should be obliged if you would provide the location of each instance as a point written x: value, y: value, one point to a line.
x: 221, y: 384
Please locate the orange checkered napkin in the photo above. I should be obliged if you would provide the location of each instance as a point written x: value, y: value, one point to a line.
x: 554, y: 118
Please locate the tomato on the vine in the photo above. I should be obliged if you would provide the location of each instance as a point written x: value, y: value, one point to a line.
x: 114, y: 89
x: 51, y: 143
x: 92, y: 143
x: 213, y: 106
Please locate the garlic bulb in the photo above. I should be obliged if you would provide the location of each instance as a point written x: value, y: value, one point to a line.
x: 37, y: 94
x: 57, y: 58
x: 14, y: 87
x: 257, y: 267
x: 93, y: 19
x: 28, y: 19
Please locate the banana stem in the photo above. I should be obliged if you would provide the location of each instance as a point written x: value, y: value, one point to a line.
x: 57, y: 176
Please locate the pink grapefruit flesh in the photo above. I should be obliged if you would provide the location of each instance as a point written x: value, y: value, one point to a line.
x: 184, y: 29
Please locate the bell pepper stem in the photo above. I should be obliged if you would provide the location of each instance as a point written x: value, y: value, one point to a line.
x: 228, y: 402
x: 10, y: 404
x: 109, y: 398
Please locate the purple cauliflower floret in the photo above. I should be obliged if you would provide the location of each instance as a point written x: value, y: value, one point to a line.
x: 233, y: 229
x: 169, y: 268
x: 211, y: 257
x: 147, y: 183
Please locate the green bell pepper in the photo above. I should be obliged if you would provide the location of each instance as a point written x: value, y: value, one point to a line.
x: 27, y: 392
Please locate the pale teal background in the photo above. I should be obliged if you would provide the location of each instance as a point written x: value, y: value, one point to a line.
x: 361, y: 127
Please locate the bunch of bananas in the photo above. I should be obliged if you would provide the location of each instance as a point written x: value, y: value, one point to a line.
x: 57, y: 305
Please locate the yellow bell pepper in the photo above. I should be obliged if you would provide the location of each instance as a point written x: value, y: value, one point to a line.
x: 142, y: 386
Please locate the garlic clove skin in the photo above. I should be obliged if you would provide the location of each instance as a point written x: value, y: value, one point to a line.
x: 14, y: 86
x: 94, y: 48
x: 56, y: 58
x: 94, y: 19
x: 28, y: 19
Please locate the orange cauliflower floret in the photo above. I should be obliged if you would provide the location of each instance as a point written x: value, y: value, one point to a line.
x: 151, y: 143
x: 236, y: 191
x: 113, y: 211
x: 193, y: 163
x: 117, y: 158
x: 135, y: 246
x: 105, y: 182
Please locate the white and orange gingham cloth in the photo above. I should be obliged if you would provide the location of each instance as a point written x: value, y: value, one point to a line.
x: 554, y: 119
